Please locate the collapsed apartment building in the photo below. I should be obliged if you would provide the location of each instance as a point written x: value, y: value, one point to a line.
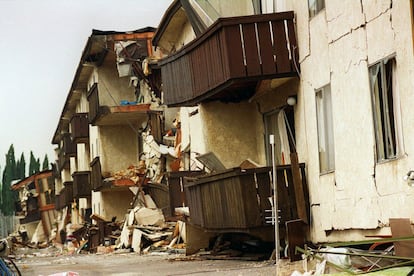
x: 35, y: 207
x: 318, y: 76
x: 331, y: 80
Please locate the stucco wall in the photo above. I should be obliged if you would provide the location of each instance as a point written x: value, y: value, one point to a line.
x: 112, y: 203
x: 336, y: 47
x: 232, y: 132
x: 232, y: 7
x: 119, y: 147
x: 111, y: 88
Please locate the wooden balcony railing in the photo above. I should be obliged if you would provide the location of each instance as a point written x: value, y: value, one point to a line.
x: 60, y: 201
x: 68, y: 191
x: 93, y: 98
x: 96, y: 174
x: 237, y: 199
x: 80, y: 128
x: 69, y: 147
x: 229, y: 58
x: 81, y: 184
x: 63, y: 160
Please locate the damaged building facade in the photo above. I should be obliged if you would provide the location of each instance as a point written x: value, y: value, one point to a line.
x: 331, y: 80
x: 36, y: 207
x: 328, y: 81
x: 109, y: 126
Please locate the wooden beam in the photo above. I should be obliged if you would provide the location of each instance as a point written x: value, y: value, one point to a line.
x: 132, y: 36
x: 299, y: 193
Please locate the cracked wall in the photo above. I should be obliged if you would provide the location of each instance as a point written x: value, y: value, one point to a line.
x: 337, y: 46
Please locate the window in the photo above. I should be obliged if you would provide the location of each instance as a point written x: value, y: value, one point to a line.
x: 280, y: 123
x: 315, y: 6
x: 412, y: 18
x: 386, y: 108
x: 325, y: 129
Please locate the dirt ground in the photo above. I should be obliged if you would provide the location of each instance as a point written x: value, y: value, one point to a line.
x: 126, y: 264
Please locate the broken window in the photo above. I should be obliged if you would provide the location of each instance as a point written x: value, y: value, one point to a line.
x: 385, y: 109
x: 280, y: 123
x: 325, y: 129
x: 315, y: 6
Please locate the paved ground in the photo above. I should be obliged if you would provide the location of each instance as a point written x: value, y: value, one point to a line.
x: 127, y: 264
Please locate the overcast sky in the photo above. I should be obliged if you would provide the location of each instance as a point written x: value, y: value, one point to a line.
x: 41, y: 44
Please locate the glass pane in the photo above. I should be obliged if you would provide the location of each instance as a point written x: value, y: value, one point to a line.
x: 325, y: 129
x: 381, y: 78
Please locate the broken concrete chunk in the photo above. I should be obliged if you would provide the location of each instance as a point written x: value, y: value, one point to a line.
x: 146, y: 216
x: 136, y: 240
x: 150, y: 202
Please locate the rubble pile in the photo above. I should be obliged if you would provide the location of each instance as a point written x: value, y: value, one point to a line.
x: 133, y: 173
x: 143, y: 230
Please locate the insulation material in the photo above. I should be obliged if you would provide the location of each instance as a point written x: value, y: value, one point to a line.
x: 125, y: 236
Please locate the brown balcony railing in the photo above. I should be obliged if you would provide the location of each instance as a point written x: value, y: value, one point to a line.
x: 93, y: 99
x: 69, y: 147
x: 96, y: 174
x: 80, y: 128
x: 237, y: 199
x: 60, y: 201
x: 63, y: 160
x: 68, y: 191
x: 81, y: 184
x: 229, y: 58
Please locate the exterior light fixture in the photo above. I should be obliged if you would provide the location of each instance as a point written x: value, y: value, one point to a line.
x: 291, y: 100
x: 409, y: 178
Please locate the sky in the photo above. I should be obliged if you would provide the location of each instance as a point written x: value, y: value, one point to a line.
x: 41, y: 42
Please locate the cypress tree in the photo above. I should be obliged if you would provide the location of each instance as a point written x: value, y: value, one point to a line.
x: 37, y: 165
x: 32, y: 164
x: 45, y: 165
x: 9, y: 174
x: 22, y: 167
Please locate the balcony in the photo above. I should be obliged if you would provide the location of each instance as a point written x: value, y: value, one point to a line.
x: 81, y: 184
x: 80, y: 128
x: 96, y: 174
x: 63, y: 161
x: 69, y: 147
x: 114, y: 115
x: 60, y: 201
x: 237, y: 199
x: 227, y: 61
x: 68, y: 193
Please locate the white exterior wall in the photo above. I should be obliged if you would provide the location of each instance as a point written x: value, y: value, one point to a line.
x: 336, y: 47
x: 66, y: 176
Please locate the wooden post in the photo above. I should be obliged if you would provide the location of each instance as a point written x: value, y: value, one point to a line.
x: 297, y: 183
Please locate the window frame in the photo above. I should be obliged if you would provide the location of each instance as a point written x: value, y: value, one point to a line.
x: 325, y: 129
x: 386, y: 109
x: 315, y: 7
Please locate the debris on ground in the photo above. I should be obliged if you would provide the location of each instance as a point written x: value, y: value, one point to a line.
x: 354, y: 258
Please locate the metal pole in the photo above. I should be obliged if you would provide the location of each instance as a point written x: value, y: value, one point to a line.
x: 275, y: 208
